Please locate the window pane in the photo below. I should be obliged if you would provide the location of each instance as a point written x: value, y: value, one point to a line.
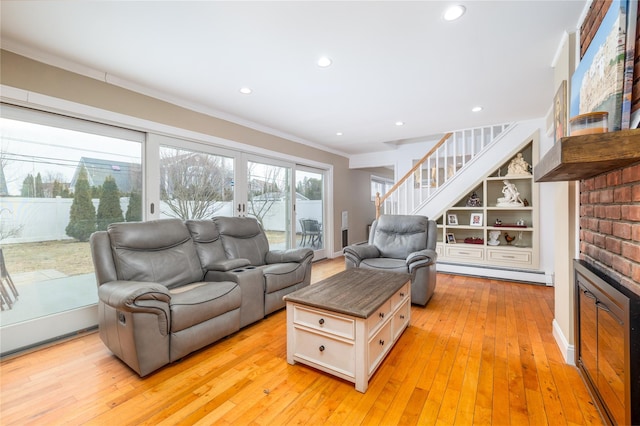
x: 269, y: 201
x: 309, y: 209
x: 195, y: 185
x: 380, y: 185
x: 57, y: 186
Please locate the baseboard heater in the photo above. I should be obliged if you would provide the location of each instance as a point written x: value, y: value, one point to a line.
x: 508, y: 274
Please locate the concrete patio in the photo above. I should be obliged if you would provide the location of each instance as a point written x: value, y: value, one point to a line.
x: 47, y: 292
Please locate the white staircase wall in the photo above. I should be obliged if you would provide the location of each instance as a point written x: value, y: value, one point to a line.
x: 505, y: 146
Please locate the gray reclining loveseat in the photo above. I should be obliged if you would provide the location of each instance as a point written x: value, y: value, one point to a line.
x: 167, y: 288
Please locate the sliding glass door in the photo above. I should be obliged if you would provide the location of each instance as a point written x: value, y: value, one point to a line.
x: 60, y: 180
x: 63, y: 178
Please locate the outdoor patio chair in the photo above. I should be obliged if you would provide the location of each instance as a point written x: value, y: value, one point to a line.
x: 311, y: 232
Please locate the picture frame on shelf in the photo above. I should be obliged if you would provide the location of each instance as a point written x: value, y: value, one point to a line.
x: 452, y: 219
x: 600, y: 73
x: 476, y: 219
x: 560, y: 112
x: 451, y: 239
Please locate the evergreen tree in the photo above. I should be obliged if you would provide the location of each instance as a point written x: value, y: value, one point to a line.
x: 134, y: 211
x: 57, y: 189
x: 96, y: 192
x: 39, y: 187
x: 310, y: 188
x: 28, y: 187
x: 109, y: 210
x: 82, y: 218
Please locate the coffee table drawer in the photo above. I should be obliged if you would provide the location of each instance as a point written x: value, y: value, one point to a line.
x: 379, y: 345
x: 400, y: 296
x: 401, y: 319
x: 378, y: 317
x: 325, y: 351
x: 324, y: 321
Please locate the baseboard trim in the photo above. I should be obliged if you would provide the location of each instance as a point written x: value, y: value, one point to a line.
x: 567, y: 350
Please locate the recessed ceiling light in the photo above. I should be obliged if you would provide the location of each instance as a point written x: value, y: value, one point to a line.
x: 324, y: 62
x: 245, y: 90
x: 453, y: 13
x: 338, y: 133
x: 476, y: 109
x: 399, y: 123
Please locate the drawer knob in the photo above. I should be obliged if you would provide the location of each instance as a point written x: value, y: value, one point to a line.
x: 402, y: 317
x: 402, y: 294
x: 381, y: 342
x: 321, y: 348
x: 321, y: 321
x: 381, y: 314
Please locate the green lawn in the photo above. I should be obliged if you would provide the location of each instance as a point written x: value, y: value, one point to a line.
x: 68, y: 257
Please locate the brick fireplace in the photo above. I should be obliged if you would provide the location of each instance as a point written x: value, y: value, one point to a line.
x: 610, y: 224
x: 607, y: 293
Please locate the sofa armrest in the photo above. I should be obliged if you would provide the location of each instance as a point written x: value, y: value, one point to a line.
x: 299, y: 255
x: 421, y: 258
x: 138, y: 296
x: 229, y: 264
x: 355, y: 253
x: 362, y: 251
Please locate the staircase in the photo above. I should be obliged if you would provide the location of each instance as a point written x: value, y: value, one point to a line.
x: 452, y: 168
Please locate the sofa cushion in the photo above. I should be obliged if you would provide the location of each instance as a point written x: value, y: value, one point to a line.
x: 202, y: 301
x: 208, y: 243
x: 281, y: 275
x: 391, y: 265
x: 243, y: 237
x: 397, y: 236
x: 151, y: 251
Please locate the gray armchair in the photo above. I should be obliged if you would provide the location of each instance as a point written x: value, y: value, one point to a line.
x: 400, y: 243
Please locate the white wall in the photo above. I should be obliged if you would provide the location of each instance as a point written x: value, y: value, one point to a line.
x: 45, y: 219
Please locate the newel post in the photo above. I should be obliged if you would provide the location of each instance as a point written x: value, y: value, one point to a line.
x: 377, y: 205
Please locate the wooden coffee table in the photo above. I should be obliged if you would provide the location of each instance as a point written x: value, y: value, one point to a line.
x: 346, y: 324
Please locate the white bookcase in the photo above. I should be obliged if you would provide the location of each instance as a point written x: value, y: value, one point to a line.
x: 470, y: 226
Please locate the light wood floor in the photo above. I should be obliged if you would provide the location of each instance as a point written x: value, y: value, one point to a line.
x: 480, y: 353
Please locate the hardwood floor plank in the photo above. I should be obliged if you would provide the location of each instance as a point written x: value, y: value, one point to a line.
x: 481, y: 352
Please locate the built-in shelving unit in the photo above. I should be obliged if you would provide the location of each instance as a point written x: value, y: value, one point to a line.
x: 585, y: 156
x: 471, y: 226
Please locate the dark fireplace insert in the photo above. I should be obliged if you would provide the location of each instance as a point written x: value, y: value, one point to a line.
x: 607, y: 331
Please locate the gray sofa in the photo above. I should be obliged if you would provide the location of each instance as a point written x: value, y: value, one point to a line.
x: 167, y: 288
x: 400, y: 243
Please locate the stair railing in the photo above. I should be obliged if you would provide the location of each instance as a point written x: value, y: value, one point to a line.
x: 440, y: 164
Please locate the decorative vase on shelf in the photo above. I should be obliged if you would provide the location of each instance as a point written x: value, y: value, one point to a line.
x: 474, y: 200
x: 519, y: 240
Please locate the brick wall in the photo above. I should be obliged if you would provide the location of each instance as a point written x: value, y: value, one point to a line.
x: 591, y: 23
x: 610, y: 223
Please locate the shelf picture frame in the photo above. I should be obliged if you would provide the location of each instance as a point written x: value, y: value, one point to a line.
x: 560, y: 112
x: 451, y: 238
x: 476, y: 219
x: 452, y: 219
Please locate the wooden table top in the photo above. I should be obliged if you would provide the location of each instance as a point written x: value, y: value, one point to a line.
x: 356, y: 292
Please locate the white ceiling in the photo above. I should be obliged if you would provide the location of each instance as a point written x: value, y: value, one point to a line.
x: 392, y: 61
